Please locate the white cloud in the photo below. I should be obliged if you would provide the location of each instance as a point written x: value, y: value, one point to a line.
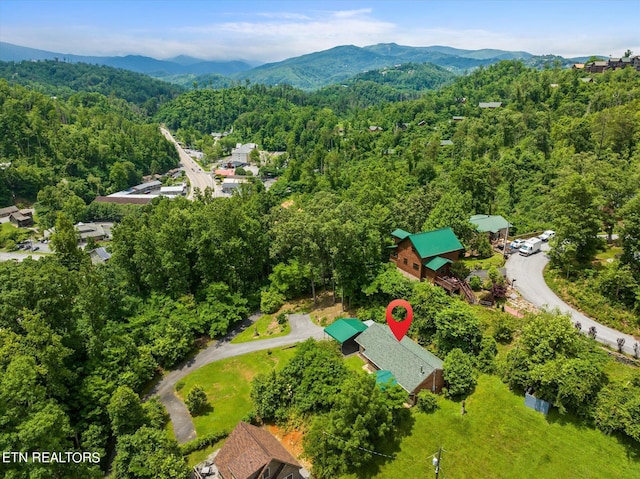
x: 275, y: 36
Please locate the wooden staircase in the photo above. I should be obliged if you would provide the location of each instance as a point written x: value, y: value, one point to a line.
x: 468, y: 292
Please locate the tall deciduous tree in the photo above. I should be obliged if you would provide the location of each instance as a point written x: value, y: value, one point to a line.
x: 361, y: 419
x: 64, y: 242
x: 576, y: 216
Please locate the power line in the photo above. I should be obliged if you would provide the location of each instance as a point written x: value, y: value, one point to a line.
x: 380, y: 453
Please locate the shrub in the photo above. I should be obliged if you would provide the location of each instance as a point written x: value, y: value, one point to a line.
x: 460, y: 270
x: 503, y: 332
x: 427, y: 401
x: 202, y: 442
x: 476, y: 283
x: 282, y: 318
x: 488, y: 351
x: 157, y: 416
x: 271, y: 301
x: 196, y: 399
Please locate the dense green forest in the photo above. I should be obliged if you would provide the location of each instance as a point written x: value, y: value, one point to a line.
x: 63, y: 79
x: 63, y: 153
x: 79, y: 343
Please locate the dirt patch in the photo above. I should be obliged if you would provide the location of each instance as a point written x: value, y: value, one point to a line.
x: 323, y: 313
x: 292, y: 442
x: 273, y: 328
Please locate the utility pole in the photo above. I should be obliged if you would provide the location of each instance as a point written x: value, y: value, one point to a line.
x: 436, y: 462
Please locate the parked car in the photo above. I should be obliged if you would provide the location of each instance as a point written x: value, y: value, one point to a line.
x: 516, y: 244
x: 547, y: 235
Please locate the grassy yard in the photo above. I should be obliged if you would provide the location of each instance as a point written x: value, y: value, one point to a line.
x: 354, y: 363
x: 228, y: 384
x: 266, y: 327
x: 496, y: 260
x: 499, y: 438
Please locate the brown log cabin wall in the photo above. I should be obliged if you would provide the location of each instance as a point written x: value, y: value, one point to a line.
x: 405, y: 251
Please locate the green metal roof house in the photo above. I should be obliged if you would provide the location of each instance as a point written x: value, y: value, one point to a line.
x: 427, y: 254
x: 495, y: 225
x: 413, y: 367
x: 345, y: 331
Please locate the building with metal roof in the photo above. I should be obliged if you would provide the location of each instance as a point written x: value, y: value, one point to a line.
x: 345, y: 330
x: 490, y: 104
x: 495, y: 225
x: 427, y: 254
x: 413, y: 367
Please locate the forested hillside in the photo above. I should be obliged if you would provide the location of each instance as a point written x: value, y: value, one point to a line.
x: 80, y: 343
x: 506, y: 160
x: 62, y: 79
x: 64, y: 152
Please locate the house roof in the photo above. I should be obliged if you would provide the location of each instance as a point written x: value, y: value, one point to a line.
x: 402, y: 234
x: 490, y: 104
x: 436, y: 263
x: 344, y: 329
x: 492, y: 223
x: 248, y: 450
x: 100, y: 255
x: 148, y: 185
x: 409, y: 363
x: 384, y: 377
x: 446, y: 142
x: 126, y: 199
x: 8, y: 210
x: 434, y: 243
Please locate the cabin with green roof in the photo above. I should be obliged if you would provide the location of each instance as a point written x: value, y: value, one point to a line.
x: 494, y: 225
x: 425, y: 255
x: 345, y: 331
x: 413, y: 367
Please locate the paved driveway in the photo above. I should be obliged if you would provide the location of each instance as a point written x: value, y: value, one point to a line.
x: 527, y: 271
x: 302, y: 328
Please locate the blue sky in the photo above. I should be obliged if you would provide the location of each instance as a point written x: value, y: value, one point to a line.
x: 273, y: 30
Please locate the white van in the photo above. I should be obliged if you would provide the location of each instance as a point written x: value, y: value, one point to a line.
x: 530, y: 246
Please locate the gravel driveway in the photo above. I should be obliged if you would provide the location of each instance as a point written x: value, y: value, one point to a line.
x: 527, y: 271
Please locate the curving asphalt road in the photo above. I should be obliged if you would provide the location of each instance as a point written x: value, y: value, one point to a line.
x: 528, y: 273
x: 302, y: 328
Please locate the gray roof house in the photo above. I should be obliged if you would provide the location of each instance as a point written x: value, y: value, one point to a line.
x: 490, y: 104
x: 413, y: 367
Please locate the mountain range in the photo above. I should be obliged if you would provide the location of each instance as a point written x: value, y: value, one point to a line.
x: 307, y: 72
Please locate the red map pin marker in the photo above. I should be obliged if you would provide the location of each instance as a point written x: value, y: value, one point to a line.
x: 399, y: 328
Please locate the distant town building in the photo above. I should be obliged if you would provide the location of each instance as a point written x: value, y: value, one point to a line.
x: 4, y: 212
x: 241, y: 154
x: 99, y: 255
x: 490, y: 104
x: 173, y: 191
x: 229, y: 185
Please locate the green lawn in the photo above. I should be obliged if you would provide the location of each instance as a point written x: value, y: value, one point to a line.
x: 228, y: 384
x: 499, y: 438
x: 496, y: 260
x: 267, y: 327
x: 354, y: 363
x: 611, y: 252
